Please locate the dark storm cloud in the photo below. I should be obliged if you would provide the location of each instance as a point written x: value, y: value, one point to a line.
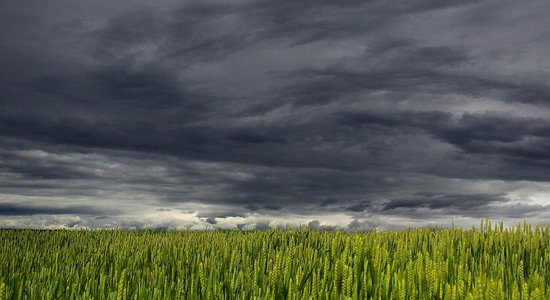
x: 362, y: 206
x: 420, y: 70
x: 19, y: 165
x: 397, y: 65
x: 278, y: 109
x: 422, y: 205
x: 204, y: 31
x: 14, y: 209
x: 436, y: 201
x: 517, y: 141
x: 328, y: 202
x: 253, y: 207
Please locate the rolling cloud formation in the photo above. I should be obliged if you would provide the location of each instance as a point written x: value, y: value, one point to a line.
x: 237, y: 114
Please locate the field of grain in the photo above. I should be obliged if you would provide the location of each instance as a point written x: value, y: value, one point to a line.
x: 490, y: 262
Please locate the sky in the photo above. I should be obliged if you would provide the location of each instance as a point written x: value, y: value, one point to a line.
x: 254, y: 113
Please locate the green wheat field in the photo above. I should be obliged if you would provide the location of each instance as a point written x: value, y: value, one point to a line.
x: 490, y: 262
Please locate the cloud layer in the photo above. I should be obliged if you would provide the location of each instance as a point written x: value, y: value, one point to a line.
x: 211, y: 114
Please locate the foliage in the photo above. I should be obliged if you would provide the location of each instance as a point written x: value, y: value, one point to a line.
x: 485, y: 263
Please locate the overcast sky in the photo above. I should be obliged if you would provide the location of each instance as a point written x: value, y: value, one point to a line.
x: 204, y: 114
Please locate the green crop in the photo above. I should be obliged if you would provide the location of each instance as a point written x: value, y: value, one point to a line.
x: 424, y: 263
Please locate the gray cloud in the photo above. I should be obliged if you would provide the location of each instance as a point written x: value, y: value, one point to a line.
x: 435, y: 201
x: 357, y: 225
x: 206, y: 114
x: 14, y: 209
